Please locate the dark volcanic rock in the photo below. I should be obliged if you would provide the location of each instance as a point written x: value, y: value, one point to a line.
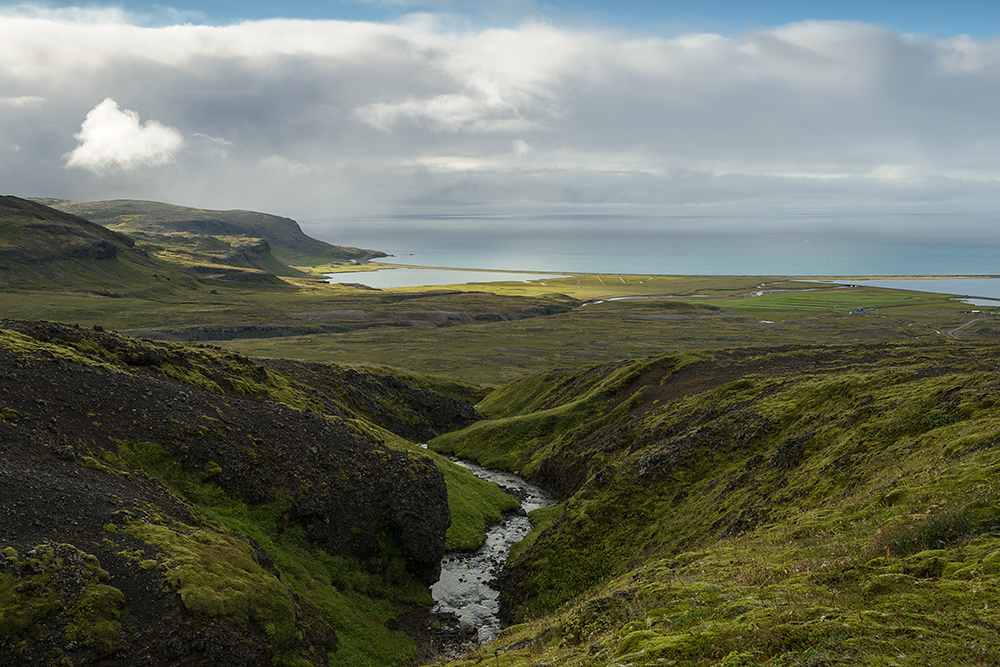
x: 59, y: 421
x: 335, y: 476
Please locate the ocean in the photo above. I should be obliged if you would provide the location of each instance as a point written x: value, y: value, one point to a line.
x: 914, y: 245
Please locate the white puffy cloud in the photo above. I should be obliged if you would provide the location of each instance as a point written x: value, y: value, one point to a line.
x: 111, y: 137
x: 304, y: 117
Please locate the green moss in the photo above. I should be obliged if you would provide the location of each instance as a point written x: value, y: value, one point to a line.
x: 191, y: 376
x: 95, y: 619
x: 215, y: 572
x: 58, y: 593
x: 94, y: 464
x: 803, y: 517
x: 217, y: 575
x: 20, y: 344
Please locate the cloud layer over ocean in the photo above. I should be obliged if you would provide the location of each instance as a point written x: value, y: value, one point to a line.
x: 326, y: 118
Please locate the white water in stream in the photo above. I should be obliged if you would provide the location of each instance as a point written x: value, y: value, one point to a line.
x: 466, y: 587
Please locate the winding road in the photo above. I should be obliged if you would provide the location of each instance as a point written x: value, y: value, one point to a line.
x: 952, y: 332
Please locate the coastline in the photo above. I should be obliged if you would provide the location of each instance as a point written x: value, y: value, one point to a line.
x: 984, y: 287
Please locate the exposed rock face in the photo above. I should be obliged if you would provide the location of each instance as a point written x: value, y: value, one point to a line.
x: 341, y: 484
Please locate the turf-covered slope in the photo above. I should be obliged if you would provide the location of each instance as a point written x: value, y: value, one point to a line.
x: 41, y: 243
x: 147, y: 217
x: 784, y: 506
x: 42, y: 247
x: 167, y: 504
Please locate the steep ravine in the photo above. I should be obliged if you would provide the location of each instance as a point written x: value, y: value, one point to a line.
x: 798, y: 505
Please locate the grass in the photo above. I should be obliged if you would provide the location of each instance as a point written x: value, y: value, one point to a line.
x: 797, y: 518
x: 498, y: 352
x: 474, y: 506
x: 502, y: 337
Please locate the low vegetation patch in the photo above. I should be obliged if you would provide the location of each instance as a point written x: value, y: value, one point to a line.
x: 58, y: 595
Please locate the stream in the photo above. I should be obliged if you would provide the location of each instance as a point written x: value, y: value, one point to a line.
x: 465, y: 588
x: 466, y: 602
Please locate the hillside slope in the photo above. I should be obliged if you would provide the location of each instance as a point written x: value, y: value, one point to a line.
x: 154, y: 219
x: 770, y: 506
x: 166, y: 505
x: 43, y: 247
x: 39, y: 242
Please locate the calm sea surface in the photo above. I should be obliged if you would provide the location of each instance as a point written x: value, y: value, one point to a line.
x: 814, y: 246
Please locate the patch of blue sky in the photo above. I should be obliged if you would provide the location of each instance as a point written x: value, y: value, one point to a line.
x: 977, y: 18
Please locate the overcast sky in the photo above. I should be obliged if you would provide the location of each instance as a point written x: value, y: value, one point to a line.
x: 351, y: 108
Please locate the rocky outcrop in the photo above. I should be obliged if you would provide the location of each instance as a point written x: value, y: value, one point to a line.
x: 86, y: 415
x: 340, y: 483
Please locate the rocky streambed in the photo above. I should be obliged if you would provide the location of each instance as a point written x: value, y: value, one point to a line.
x: 466, y: 595
x: 467, y: 587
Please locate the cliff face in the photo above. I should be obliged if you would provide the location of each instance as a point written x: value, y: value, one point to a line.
x: 91, y: 424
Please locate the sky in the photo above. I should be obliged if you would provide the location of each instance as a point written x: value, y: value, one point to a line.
x: 438, y: 107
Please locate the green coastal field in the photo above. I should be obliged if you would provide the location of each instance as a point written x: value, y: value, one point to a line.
x: 673, y: 313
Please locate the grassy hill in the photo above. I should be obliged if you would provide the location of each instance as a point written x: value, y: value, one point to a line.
x: 43, y: 247
x: 812, y: 505
x: 41, y: 244
x: 158, y: 222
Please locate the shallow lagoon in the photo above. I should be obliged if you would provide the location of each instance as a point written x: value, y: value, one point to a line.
x: 974, y: 291
x: 416, y: 277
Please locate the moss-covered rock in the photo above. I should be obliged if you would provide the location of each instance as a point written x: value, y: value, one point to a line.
x: 245, y: 515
